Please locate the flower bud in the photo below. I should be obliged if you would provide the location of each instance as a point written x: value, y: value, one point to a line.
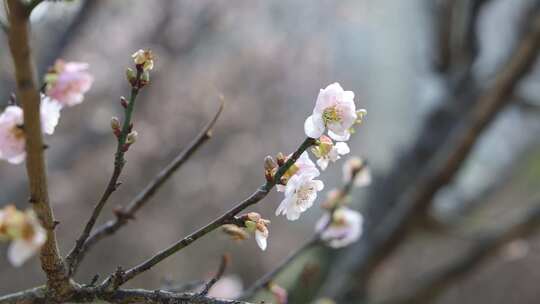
x: 131, y: 137
x: 131, y: 76
x: 253, y: 216
x: 124, y: 102
x: 145, y: 79
x: 251, y: 226
x: 115, y: 123
x: 269, y: 163
x: 360, y: 114
x: 280, y: 158
x: 235, y: 232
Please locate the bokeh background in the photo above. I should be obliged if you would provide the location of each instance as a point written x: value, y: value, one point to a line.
x: 269, y: 59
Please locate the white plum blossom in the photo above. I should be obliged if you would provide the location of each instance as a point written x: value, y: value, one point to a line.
x: 300, y: 193
x: 24, y: 248
x: 334, y: 110
x: 12, y: 138
x: 362, y: 173
x: 67, y: 82
x: 255, y: 223
x: 344, y: 229
x: 50, y: 114
x: 303, y: 165
x: 25, y: 233
x: 12, y: 142
x: 327, y: 151
x: 228, y: 287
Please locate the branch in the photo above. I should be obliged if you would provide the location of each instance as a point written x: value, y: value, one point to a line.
x: 119, y: 162
x: 437, y: 282
x: 28, y: 94
x: 269, y: 276
x: 217, y: 276
x: 391, y: 232
x: 128, y: 212
x: 29, y: 296
x: 120, y: 278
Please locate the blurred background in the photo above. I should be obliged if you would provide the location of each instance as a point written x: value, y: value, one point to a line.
x: 417, y: 66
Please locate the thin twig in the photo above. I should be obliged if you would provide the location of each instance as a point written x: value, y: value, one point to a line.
x: 217, y: 276
x: 114, y: 280
x: 123, y: 216
x: 28, y: 94
x: 119, y: 162
x: 28, y: 296
x: 437, y: 282
x: 267, y: 278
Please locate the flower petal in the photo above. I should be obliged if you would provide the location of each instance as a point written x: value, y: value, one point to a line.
x: 313, y: 127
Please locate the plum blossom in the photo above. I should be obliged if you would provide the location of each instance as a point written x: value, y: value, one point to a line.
x: 228, y: 287
x: 67, y: 82
x: 255, y: 223
x: 12, y: 142
x: 145, y: 58
x: 303, y: 165
x: 359, y: 168
x: 26, y: 234
x: 344, y: 229
x: 12, y: 138
x: 327, y: 151
x: 334, y: 110
x: 300, y: 193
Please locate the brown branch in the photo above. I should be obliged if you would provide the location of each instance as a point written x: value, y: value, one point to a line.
x: 267, y: 278
x: 437, y: 282
x: 446, y: 163
x: 119, y: 278
x: 29, y: 296
x: 28, y: 94
x: 217, y: 276
x: 128, y: 212
x: 119, y: 163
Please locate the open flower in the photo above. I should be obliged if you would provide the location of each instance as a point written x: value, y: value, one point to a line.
x: 12, y: 138
x: 12, y: 142
x: 67, y: 82
x: 25, y: 233
x: 358, y: 168
x: 300, y: 193
x: 327, y: 151
x: 344, y: 229
x: 145, y: 58
x: 334, y: 110
x: 303, y: 165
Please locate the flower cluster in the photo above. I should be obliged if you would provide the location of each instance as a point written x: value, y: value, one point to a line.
x: 65, y: 85
x: 24, y: 232
x: 336, y: 113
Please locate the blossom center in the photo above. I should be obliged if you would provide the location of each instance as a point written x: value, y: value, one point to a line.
x: 304, y: 192
x: 331, y: 115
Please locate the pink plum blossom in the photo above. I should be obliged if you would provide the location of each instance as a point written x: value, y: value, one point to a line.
x: 12, y: 138
x: 344, y: 229
x: 12, y: 142
x: 300, y: 193
x: 303, y: 165
x: 334, y: 110
x: 68, y: 82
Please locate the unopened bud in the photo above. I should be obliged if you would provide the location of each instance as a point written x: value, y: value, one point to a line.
x: 124, y: 102
x: 235, y: 232
x: 131, y: 137
x: 145, y: 78
x: 360, y: 114
x: 269, y: 163
x: 144, y: 59
x: 253, y: 216
x: 115, y: 123
x: 280, y: 158
x: 131, y: 76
